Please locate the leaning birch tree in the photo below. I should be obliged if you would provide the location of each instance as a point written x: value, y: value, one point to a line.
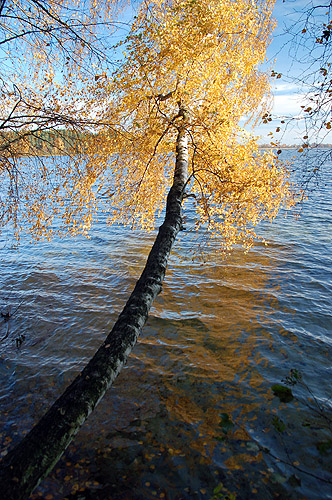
x: 169, y: 127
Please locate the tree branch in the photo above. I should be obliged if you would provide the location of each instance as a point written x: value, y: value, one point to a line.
x: 33, y: 458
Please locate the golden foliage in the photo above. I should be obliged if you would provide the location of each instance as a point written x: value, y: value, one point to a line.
x: 203, y: 55
x: 47, y: 49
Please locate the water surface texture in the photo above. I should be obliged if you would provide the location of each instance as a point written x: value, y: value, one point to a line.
x: 193, y: 414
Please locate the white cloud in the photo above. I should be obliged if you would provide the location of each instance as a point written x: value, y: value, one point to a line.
x: 288, y: 104
x: 284, y: 87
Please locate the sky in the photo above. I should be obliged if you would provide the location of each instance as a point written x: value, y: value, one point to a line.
x: 287, y: 93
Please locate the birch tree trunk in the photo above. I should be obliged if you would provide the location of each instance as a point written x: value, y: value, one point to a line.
x: 35, y: 456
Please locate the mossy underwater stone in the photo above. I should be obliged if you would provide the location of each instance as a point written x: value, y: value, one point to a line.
x: 283, y: 393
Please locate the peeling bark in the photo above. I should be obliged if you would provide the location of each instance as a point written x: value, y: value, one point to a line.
x: 35, y: 456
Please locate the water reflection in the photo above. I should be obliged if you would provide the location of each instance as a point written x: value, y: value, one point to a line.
x: 194, y: 407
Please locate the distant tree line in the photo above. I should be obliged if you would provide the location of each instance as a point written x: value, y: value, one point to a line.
x: 314, y: 145
x: 44, y: 143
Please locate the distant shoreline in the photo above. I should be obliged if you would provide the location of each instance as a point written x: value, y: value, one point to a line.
x: 45, y: 154
x: 295, y: 146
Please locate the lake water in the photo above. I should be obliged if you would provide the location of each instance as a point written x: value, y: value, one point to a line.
x: 193, y: 410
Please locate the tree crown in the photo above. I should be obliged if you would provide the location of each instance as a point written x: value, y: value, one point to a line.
x: 189, y: 64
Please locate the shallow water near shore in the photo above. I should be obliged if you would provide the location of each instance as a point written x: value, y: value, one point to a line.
x: 193, y: 414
